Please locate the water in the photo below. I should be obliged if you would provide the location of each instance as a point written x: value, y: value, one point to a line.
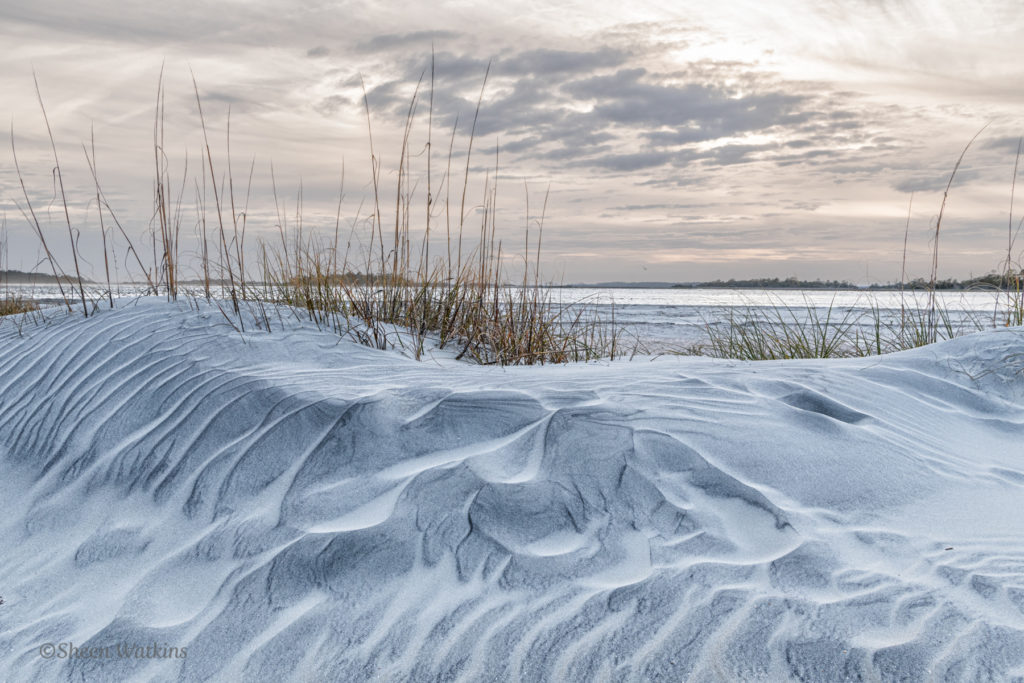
x: 678, y: 319
x: 50, y: 295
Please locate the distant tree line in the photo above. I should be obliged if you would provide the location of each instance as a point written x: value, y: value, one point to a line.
x: 770, y: 283
x: 1010, y: 281
x: 17, y: 277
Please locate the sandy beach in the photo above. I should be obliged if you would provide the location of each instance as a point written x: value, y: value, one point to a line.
x: 292, y: 506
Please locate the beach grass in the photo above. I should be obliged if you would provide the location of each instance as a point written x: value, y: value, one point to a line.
x: 393, y: 293
x: 390, y: 291
x: 12, y: 305
x: 782, y: 331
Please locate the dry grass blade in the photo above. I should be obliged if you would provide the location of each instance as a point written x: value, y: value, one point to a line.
x: 63, y: 196
x: 225, y: 252
x: 938, y: 226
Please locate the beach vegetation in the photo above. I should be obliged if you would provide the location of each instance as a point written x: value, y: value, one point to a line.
x: 389, y: 291
x: 783, y: 331
x: 12, y: 305
x: 376, y: 280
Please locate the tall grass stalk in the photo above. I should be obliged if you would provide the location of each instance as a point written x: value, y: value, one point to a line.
x: 935, y: 240
x: 903, y: 267
x: 28, y: 211
x: 104, y: 205
x: 161, y: 197
x: 225, y: 252
x: 99, y: 211
x: 1013, y: 272
x: 58, y: 174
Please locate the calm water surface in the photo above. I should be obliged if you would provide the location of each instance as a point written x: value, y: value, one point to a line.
x: 674, y: 319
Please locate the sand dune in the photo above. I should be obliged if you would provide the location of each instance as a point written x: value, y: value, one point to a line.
x: 286, y: 506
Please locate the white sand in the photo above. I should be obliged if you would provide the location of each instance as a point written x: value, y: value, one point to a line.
x: 292, y: 507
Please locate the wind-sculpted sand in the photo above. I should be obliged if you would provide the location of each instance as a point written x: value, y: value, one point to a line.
x: 288, y: 506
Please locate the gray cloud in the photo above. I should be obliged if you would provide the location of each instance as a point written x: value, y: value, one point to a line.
x: 624, y: 163
x: 148, y: 23
x: 1006, y: 143
x: 415, y: 39
x: 547, y: 62
x: 329, y: 106
x: 728, y: 155
x: 922, y: 184
x: 624, y: 98
x: 580, y: 109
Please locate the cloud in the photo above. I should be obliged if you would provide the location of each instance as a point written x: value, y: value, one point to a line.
x: 1007, y: 143
x: 623, y: 163
x: 728, y: 155
x: 583, y: 109
x: 149, y: 23
x: 406, y: 41
x: 937, y: 182
x: 545, y: 62
x: 329, y: 106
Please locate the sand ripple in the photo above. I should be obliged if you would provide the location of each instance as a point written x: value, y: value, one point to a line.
x: 290, y: 508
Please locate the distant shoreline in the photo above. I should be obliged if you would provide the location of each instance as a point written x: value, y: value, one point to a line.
x: 18, y: 277
x: 990, y: 282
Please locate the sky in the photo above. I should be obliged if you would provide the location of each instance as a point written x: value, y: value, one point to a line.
x: 656, y: 141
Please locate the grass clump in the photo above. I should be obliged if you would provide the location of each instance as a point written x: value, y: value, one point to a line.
x: 785, y: 331
x: 782, y: 331
x: 12, y: 305
x: 393, y: 293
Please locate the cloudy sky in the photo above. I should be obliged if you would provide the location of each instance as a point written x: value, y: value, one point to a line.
x: 680, y: 140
